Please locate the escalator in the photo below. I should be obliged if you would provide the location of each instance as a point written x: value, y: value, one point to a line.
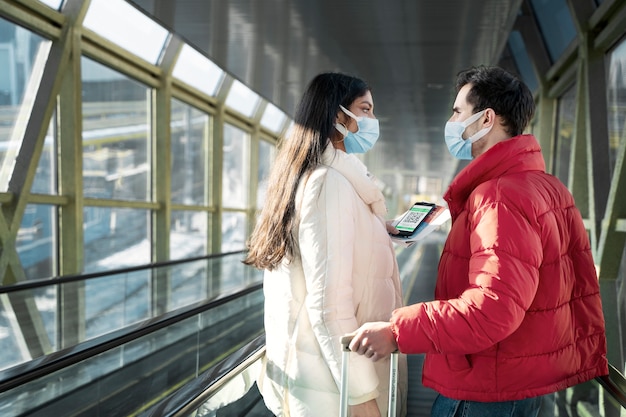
x: 128, y: 370
x: 198, y: 357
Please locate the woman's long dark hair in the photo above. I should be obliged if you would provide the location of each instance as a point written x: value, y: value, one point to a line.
x: 299, y: 154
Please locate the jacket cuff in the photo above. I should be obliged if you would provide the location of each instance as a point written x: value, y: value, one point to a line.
x: 363, y: 398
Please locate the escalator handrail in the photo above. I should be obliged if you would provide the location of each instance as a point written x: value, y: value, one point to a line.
x: 20, y: 374
x: 45, y: 282
x: 191, y: 396
x: 615, y: 384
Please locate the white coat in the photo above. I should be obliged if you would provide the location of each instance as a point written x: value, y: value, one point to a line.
x: 344, y: 275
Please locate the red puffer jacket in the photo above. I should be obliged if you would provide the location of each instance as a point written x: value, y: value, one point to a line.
x: 518, y: 311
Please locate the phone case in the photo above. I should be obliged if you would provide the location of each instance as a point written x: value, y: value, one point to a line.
x: 343, y: 391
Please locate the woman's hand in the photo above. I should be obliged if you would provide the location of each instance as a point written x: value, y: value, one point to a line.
x: 366, y: 409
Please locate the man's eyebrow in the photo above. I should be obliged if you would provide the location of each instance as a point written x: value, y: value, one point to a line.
x: 456, y: 109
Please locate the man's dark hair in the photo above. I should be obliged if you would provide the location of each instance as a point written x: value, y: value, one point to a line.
x: 497, y: 89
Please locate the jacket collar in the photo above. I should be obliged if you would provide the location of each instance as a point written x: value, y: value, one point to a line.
x: 517, y: 154
x: 355, y: 171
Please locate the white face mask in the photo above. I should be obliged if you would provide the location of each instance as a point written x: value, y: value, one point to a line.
x: 462, y: 148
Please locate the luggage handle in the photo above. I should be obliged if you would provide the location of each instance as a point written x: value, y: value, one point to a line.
x: 393, y: 379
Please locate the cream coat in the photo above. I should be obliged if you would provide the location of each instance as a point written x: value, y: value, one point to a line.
x: 346, y: 275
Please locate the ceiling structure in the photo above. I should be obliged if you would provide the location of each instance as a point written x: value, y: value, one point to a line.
x: 409, y: 51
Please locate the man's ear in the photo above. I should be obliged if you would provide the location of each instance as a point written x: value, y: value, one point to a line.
x: 490, y: 117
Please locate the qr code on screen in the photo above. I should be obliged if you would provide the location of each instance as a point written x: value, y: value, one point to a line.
x: 413, y: 217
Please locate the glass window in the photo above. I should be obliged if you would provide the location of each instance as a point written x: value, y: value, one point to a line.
x: 273, y: 118
x: 115, y: 238
x: 45, y: 181
x: 235, y: 171
x: 266, y: 158
x: 190, y: 138
x: 242, y: 99
x: 233, y: 232
x: 198, y: 71
x: 55, y: 4
x: 522, y: 60
x: 36, y: 241
x: 564, y: 133
x: 116, y: 135
x: 124, y: 25
x: 188, y: 234
x: 21, y: 53
x: 189, y: 283
x: 616, y: 100
x: 556, y: 25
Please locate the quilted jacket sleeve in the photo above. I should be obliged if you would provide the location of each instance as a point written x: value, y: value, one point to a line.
x: 326, y: 237
x: 483, y: 303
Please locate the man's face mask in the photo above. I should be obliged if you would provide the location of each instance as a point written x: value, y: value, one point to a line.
x: 462, y: 148
x: 363, y: 139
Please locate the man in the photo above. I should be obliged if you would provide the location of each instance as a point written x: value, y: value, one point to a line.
x: 517, y: 311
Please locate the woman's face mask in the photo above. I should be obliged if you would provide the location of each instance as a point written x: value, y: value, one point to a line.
x: 364, y: 138
x: 462, y: 148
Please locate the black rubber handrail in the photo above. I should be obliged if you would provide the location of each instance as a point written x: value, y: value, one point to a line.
x: 615, y: 384
x: 192, y: 395
x: 44, y: 282
x: 45, y: 365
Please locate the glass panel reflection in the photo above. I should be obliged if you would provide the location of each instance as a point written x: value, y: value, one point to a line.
x: 616, y: 100
x: 565, y: 133
x: 21, y: 53
x: 115, y: 302
x: 233, y: 232
x: 190, y: 138
x: 116, y: 134
x: 188, y: 234
x: 116, y: 238
x: 235, y: 171
x: 36, y: 241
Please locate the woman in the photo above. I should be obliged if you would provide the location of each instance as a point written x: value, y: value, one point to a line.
x: 330, y: 265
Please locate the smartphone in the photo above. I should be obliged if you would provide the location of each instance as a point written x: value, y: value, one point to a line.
x: 414, y: 217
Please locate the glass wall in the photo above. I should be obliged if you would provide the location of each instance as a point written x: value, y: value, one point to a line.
x: 556, y: 24
x: 565, y: 133
x: 616, y: 99
x: 21, y: 51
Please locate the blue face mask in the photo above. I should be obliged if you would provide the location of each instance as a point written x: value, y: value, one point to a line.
x: 462, y: 148
x: 363, y: 139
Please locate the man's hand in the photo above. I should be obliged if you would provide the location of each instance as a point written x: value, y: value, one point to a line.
x: 366, y: 409
x: 375, y: 340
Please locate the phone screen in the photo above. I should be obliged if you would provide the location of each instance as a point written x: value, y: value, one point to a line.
x: 413, y: 218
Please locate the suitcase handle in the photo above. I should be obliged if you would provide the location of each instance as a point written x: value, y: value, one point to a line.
x: 345, y: 342
x: 393, y: 379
